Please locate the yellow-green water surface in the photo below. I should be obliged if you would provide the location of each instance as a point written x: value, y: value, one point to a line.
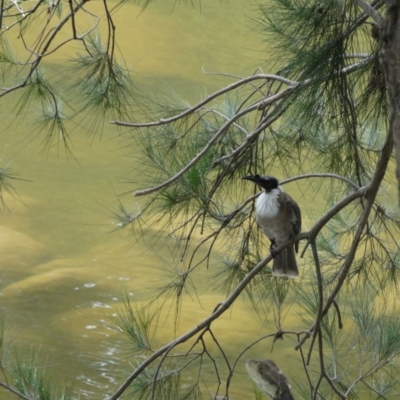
x: 63, y: 273
x: 64, y: 269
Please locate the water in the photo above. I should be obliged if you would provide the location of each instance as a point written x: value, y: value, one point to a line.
x: 64, y: 270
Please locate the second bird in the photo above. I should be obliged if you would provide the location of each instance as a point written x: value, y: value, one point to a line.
x: 279, y: 217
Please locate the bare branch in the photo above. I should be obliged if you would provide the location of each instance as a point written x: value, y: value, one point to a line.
x: 336, y: 305
x: 370, y: 372
x: 227, y: 119
x: 200, y: 104
x: 18, y: 7
x: 250, y: 137
x: 318, y: 319
x: 368, y: 9
x: 15, y: 392
x: 323, y: 370
x: 321, y: 175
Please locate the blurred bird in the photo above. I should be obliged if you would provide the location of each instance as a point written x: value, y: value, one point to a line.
x: 279, y: 217
x: 269, y: 379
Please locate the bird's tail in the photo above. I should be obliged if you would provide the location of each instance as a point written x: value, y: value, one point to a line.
x: 285, y: 263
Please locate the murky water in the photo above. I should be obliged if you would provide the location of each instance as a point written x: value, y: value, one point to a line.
x: 63, y: 271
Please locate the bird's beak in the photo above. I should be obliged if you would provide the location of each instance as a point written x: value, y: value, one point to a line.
x: 255, y: 178
x: 261, y: 181
x: 249, y: 178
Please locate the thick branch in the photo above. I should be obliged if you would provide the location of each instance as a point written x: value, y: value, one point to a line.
x: 391, y: 67
x: 370, y: 194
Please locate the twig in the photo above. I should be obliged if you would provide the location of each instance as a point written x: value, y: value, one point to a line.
x: 72, y: 19
x: 153, y: 388
x: 258, y: 105
x: 227, y: 118
x: 318, y: 319
x: 187, y: 221
x: 1, y: 14
x: 272, y: 77
x: 368, y: 9
x: 194, y: 160
x: 37, y: 61
x: 250, y: 137
x: 321, y: 175
x: 18, y: 21
x: 336, y: 305
x: 15, y: 392
x: 214, y: 363
x: 317, y: 386
x: 190, y: 110
x: 220, y: 349
x: 370, y: 372
x: 322, y: 366
x: 371, y: 195
x: 305, y: 368
x: 229, y: 378
x: 16, y: 5
x: 111, y: 32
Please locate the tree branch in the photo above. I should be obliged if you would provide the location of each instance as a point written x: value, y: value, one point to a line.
x: 15, y: 392
x: 225, y: 305
x: 368, y: 9
x: 317, y: 329
x: 195, y: 159
x: 371, y: 192
x: 202, y: 103
x: 321, y: 175
x: 219, y: 310
x: 390, y: 60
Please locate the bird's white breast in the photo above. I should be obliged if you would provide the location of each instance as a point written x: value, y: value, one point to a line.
x: 267, y: 205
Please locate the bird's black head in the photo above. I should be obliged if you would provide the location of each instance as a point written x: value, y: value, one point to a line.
x: 266, y: 182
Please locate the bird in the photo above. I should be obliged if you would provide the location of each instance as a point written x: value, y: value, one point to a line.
x: 269, y: 379
x: 279, y: 217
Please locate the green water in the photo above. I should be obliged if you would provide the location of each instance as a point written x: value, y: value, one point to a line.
x: 64, y: 272
x: 65, y: 269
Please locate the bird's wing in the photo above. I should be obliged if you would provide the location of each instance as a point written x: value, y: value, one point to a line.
x: 297, y: 213
x: 290, y: 203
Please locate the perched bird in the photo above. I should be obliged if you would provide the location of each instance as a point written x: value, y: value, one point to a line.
x: 279, y: 217
x: 269, y: 379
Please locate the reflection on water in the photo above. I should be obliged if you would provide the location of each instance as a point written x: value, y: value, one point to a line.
x: 107, y: 373
x: 63, y: 274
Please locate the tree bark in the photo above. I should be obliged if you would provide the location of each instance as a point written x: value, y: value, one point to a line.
x: 391, y: 66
